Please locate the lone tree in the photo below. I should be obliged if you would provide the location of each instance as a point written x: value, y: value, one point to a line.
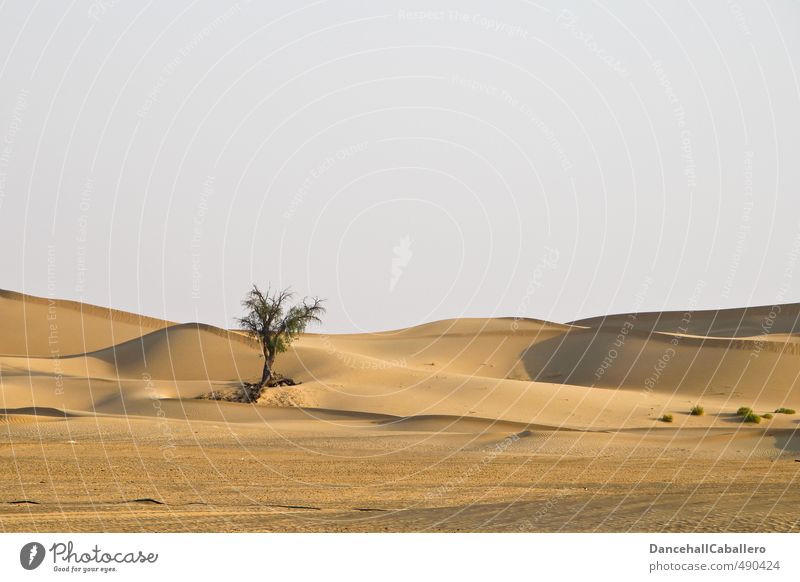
x: 269, y: 317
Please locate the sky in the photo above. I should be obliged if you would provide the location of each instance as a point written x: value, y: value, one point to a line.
x: 554, y: 160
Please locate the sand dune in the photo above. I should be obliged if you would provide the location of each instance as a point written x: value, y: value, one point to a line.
x: 740, y: 322
x: 183, y: 352
x: 599, y: 374
x: 36, y: 326
x: 764, y: 371
x: 440, y: 391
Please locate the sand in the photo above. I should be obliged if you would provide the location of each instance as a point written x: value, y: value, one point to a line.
x: 460, y: 425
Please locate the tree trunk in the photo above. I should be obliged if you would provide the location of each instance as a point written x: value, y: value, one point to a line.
x: 266, y: 374
x: 269, y: 359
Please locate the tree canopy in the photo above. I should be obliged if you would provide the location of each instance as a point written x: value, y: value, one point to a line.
x: 272, y: 319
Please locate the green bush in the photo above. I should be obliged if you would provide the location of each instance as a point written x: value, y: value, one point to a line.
x: 666, y: 418
x: 782, y: 410
x: 697, y: 410
x: 751, y: 417
x: 767, y: 416
x: 744, y: 411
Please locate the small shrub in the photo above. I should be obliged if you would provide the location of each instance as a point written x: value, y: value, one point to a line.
x: 666, y: 418
x: 782, y: 410
x: 751, y: 417
x: 246, y: 392
x: 697, y: 410
x: 767, y: 416
x: 744, y: 411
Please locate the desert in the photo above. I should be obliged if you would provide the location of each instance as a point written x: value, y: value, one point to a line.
x: 497, y: 424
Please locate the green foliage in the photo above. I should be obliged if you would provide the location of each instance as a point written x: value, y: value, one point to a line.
x: 744, y: 411
x: 768, y: 416
x: 271, y: 320
x: 697, y: 410
x: 751, y: 417
x: 666, y: 418
x: 783, y: 410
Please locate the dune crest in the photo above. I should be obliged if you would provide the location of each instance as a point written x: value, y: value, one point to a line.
x: 616, y: 372
x: 42, y: 327
x: 445, y: 425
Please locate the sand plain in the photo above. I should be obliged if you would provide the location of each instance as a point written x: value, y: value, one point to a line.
x: 460, y: 425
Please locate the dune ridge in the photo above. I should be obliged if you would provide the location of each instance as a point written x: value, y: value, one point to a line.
x: 499, y: 424
x: 43, y: 327
x: 583, y: 375
x: 87, y: 309
x: 732, y: 322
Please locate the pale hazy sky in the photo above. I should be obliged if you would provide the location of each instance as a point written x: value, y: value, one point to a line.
x: 443, y: 159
